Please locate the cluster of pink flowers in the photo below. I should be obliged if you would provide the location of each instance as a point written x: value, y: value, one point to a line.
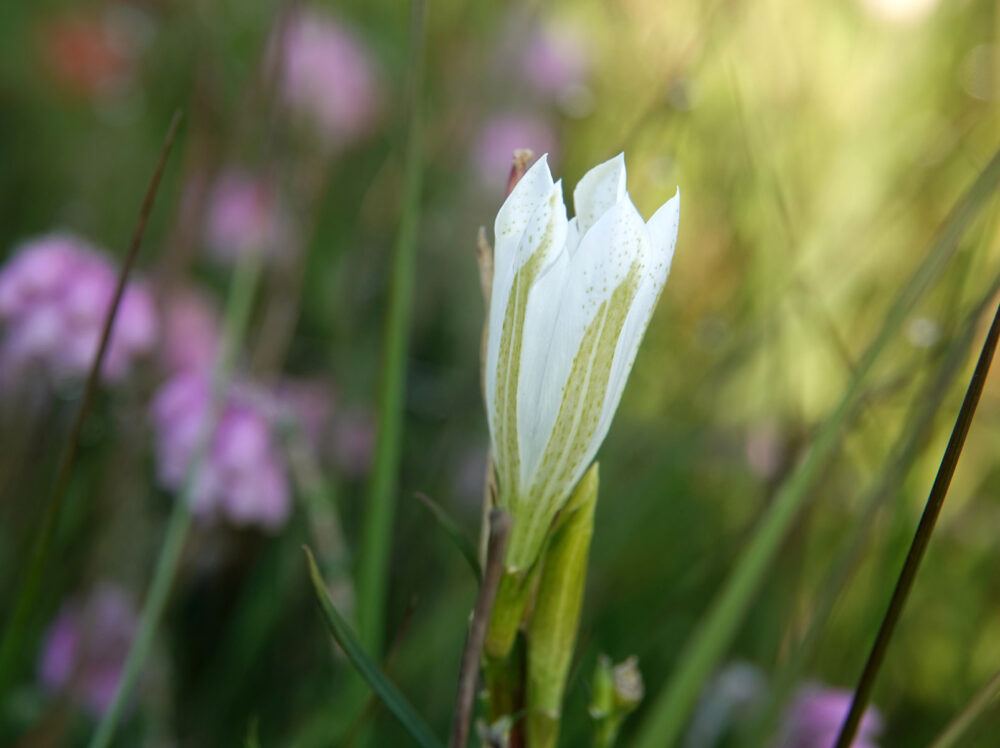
x: 55, y: 293
x: 85, y: 647
x: 329, y: 78
x: 244, y: 476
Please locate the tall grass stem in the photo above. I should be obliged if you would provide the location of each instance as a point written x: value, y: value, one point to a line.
x: 376, y: 538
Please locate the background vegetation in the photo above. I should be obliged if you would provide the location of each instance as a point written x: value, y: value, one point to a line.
x: 819, y: 148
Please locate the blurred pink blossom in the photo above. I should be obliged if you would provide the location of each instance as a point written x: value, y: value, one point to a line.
x: 191, y: 331
x: 84, y: 648
x: 555, y: 59
x: 330, y: 77
x: 54, y: 295
x: 244, y: 478
x: 814, y: 718
x: 494, y: 148
x: 245, y: 215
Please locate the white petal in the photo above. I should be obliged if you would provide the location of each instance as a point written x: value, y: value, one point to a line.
x: 662, y: 229
x: 598, y: 190
x: 542, y: 242
x: 602, y: 262
x: 509, y: 227
x: 542, y: 379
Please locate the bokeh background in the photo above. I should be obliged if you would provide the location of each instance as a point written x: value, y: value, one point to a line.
x: 819, y: 147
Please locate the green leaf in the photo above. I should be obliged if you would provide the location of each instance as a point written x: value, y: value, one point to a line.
x: 458, y: 537
x: 348, y: 641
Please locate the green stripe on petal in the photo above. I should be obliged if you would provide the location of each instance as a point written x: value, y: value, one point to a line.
x: 576, y: 424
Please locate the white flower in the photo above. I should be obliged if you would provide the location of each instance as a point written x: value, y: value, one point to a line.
x: 570, y: 303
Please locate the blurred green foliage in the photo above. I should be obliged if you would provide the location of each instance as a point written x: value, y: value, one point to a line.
x: 818, y: 147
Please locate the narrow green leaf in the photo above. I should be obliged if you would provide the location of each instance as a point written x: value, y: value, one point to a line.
x: 453, y: 531
x: 348, y: 641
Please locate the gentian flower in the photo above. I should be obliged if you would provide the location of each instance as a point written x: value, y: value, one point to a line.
x: 570, y: 303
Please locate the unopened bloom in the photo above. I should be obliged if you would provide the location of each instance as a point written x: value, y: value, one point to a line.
x: 85, y: 647
x: 54, y: 297
x: 816, y: 715
x: 329, y: 77
x: 571, y: 300
x: 244, y: 476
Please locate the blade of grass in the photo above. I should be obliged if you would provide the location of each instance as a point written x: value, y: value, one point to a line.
x: 355, y: 651
x: 453, y: 531
x: 237, y: 314
x: 373, y: 704
x: 984, y: 699
x: 376, y: 538
x: 669, y: 710
x: 925, y: 528
x: 11, y: 648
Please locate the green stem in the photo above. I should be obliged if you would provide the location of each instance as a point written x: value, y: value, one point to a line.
x: 238, y: 307
x: 380, y: 510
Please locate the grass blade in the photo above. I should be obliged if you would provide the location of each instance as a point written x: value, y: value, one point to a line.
x: 376, y: 539
x: 390, y: 695
x: 669, y: 710
x: 453, y: 531
x: 922, y: 537
x: 983, y: 700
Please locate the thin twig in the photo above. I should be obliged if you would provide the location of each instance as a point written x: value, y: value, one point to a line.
x: 11, y: 645
x: 922, y: 537
x: 500, y: 523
